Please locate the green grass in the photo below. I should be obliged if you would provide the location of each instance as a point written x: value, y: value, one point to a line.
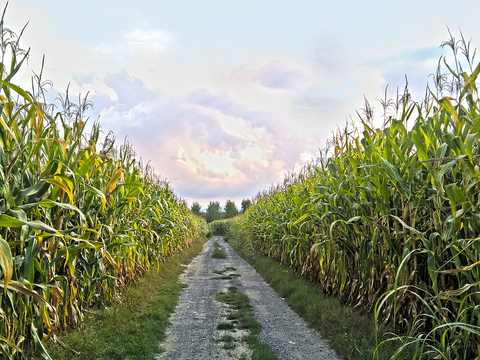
x: 227, y: 277
x: 350, y: 333
x: 224, y: 276
x: 228, y: 342
x: 218, y: 253
x: 133, y: 327
x: 221, y: 272
x: 240, y: 315
x: 225, y: 326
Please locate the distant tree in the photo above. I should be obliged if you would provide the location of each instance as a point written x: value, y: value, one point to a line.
x: 213, y: 211
x: 196, y: 207
x: 230, y: 209
x: 245, y: 204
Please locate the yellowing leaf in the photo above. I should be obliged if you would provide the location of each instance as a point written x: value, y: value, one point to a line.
x: 458, y: 291
x: 62, y: 186
x: 456, y: 271
x: 6, y: 262
x: 113, y: 181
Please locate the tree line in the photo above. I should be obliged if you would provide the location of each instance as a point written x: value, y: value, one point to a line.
x: 216, y: 212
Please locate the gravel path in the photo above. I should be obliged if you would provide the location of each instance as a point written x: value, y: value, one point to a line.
x: 193, y: 331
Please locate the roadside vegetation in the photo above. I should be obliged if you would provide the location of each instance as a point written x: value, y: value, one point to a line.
x: 350, y: 332
x: 80, y: 218
x: 388, y: 218
x: 134, y: 325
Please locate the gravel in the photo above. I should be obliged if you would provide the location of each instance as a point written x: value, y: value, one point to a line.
x: 192, y: 333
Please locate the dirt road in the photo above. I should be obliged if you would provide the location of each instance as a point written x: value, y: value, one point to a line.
x: 193, y: 333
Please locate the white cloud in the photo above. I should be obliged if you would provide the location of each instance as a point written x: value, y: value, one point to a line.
x: 207, y: 139
x: 149, y: 41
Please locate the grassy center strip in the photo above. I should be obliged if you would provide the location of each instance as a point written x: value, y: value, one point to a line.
x: 349, y: 332
x: 218, y: 252
x: 226, y: 274
x: 239, y: 318
x: 133, y: 327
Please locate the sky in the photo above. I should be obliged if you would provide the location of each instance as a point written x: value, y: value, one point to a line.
x: 224, y: 98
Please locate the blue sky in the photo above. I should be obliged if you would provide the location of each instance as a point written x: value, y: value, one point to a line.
x: 225, y: 97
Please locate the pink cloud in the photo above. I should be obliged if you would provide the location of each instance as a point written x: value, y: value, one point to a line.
x: 272, y: 75
x: 241, y: 73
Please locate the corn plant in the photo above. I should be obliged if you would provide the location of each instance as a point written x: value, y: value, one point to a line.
x: 79, y: 220
x: 389, y: 221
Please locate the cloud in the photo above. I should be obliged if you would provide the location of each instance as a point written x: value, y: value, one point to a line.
x: 96, y: 87
x: 131, y: 89
x: 313, y: 103
x: 134, y: 46
x: 150, y: 41
x: 273, y: 75
x: 329, y: 59
x: 223, y: 102
x: 206, y: 142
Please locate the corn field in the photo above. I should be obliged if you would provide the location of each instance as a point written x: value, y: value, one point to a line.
x: 79, y: 220
x: 388, y: 218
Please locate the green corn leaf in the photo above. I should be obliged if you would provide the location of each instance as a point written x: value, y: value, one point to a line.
x: 476, y: 125
x: 446, y: 104
x: 470, y: 140
x: 393, y: 173
x: 9, y: 221
x: 419, y: 233
x: 43, y: 352
x: 86, y: 166
x: 35, y: 189
x: 455, y: 193
x: 445, y: 168
x: 47, y: 203
x: 97, y: 192
x: 29, y: 261
x: 419, y: 142
x: 471, y: 81
x: 300, y: 219
x: 7, y: 128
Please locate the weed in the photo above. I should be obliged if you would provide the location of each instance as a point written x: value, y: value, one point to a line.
x: 228, y: 342
x: 217, y: 252
x: 225, y: 326
x: 240, y: 316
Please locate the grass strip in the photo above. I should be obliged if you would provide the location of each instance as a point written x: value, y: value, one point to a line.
x: 224, y: 276
x: 217, y: 252
x: 240, y: 316
x: 133, y: 327
x: 350, y: 332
